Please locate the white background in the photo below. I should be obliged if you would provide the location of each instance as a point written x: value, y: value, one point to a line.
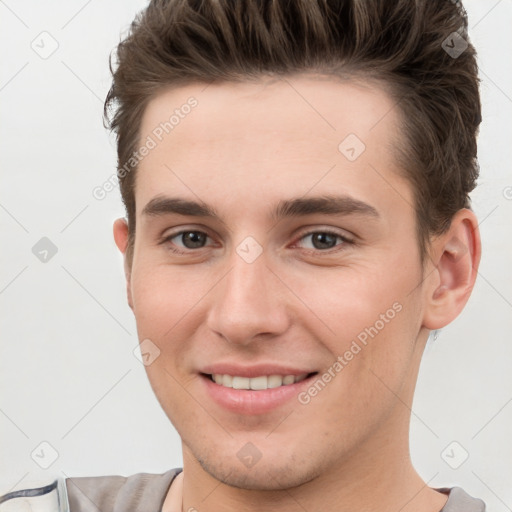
x: 68, y: 373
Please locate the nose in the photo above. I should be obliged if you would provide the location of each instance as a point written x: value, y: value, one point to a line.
x: 249, y: 303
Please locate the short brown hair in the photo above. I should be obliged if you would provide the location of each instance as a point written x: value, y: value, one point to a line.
x: 410, y: 46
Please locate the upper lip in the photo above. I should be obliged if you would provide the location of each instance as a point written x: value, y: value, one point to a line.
x: 255, y: 370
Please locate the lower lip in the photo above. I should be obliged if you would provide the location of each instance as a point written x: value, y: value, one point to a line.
x: 246, y: 401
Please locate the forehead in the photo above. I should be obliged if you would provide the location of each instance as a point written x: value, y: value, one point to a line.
x: 268, y: 137
x: 306, y: 105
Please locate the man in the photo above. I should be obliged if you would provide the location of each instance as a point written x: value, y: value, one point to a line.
x: 296, y: 176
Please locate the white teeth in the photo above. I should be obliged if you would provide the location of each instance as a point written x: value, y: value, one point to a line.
x: 289, y: 379
x: 241, y: 383
x: 227, y: 381
x: 256, y: 383
x: 274, y: 381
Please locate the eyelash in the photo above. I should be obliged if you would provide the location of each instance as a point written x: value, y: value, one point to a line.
x: 344, y: 239
x: 337, y: 248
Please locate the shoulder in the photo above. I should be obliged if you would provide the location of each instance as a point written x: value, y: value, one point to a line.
x: 460, y: 501
x: 139, y: 492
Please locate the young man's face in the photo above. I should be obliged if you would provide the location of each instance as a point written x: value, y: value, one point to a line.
x: 263, y: 290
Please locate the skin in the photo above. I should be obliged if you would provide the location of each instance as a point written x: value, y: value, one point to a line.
x: 243, y: 148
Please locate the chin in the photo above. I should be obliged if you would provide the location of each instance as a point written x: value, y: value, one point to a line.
x: 271, y: 478
x: 266, y: 475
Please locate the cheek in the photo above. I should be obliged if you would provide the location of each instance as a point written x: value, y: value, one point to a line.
x: 369, y: 370
x: 348, y: 300
x: 163, y: 305
x: 161, y: 297
x: 168, y: 310
x: 370, y: 318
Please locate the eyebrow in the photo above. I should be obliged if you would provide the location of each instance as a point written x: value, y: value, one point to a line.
x: 329, y: 205
x: 296, y: 207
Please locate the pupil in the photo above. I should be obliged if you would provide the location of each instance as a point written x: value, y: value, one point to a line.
x: 324, y: 240
x: 193, y: 239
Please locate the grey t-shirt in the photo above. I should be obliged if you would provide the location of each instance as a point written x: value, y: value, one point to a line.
x: 145, y: 492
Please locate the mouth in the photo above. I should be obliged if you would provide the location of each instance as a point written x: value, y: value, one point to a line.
x: 258, y: 394
x: 258, y: 383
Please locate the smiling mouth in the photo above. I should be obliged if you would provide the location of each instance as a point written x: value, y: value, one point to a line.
x: 258, y: 383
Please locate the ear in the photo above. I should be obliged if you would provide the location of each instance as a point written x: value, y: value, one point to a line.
x: 121, y: 237
x: 456, y: 257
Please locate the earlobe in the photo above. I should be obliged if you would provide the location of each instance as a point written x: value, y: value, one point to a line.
x: 457, y: 256
x: 121, y: 238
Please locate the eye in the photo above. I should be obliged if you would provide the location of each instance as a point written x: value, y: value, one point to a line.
x: 191, y: 239
x: 321, y: 240
x: 324, y: 240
